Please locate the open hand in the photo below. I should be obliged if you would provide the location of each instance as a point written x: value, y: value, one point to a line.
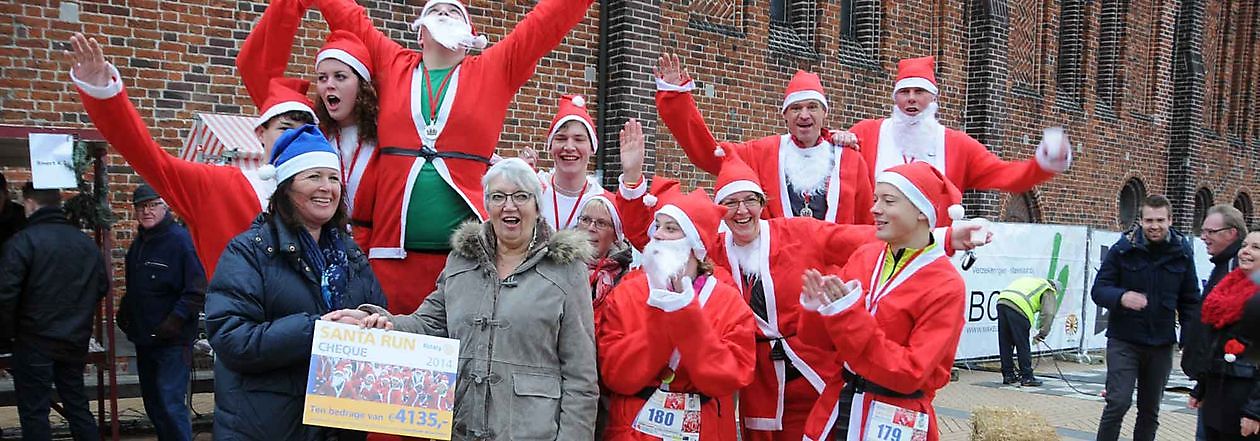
x: 633, y: 151
x: 1250, y: 426
x: 669, y: 69
x: 347, y: 316
x: 89, y: 61
x: 530, y: 156
x: 377, y: 321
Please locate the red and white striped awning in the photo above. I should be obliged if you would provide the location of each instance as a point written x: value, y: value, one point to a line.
x: 225, y: 140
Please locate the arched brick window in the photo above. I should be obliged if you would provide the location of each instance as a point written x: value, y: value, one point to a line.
x: 1130, y: 202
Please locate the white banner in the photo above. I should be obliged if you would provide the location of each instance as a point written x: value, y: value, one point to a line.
x: 1096, y: 317
x: 52, y: 161
x: 1024, y: 250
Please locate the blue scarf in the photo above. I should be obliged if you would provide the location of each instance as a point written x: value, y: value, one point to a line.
x: 329, y: 259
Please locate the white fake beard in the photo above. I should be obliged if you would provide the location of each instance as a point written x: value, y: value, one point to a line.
x: 663, y: 259
x: 807, y: 169
x: 451, y: 33
x: 918, y: 135
x: 747, y: 257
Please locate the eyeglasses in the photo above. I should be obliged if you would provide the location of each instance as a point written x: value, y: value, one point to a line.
x: 1207, y: 231
x: 600, y: 224
x: 750, y: 202
x: 150, y: 206
x: 498, y: 199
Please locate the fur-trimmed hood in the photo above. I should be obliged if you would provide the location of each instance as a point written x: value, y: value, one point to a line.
x: 476, y: 241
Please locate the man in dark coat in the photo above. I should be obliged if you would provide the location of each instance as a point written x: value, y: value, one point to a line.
x: 166, y: 287
x: 52, y: 277
x: 12, y: 217
x: 1147, y: 282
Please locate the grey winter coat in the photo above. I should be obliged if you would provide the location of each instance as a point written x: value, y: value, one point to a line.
x: 261, y: 309
x: 527, y: 345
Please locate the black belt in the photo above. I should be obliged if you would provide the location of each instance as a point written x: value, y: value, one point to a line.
x: 777, y: 353
x: 861, y: 385
x: 428, y: 153
x: 647, y: 392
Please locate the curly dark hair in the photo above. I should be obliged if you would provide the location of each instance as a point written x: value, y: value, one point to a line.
x: 282, y: 207
x: 366, y: 104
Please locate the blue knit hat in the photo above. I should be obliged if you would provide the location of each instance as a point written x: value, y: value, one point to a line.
x: 299, y: 149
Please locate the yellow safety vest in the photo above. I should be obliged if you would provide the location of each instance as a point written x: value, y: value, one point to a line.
x: 1025, y: 293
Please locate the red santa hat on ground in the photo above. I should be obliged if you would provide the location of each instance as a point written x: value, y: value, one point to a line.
x: 285, y: 95
x: 698, y: 216
x: 734, y: 177
x: 927, y: 190
x: 804, y: 86
x: 345, y: 47
x: 917, y: 72
x: 573, y: 108
x: 479, y: 41
x: 612, y: 210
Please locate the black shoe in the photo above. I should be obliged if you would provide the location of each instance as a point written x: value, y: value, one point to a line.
x: 1010, y: 380
x: 1030, y: 382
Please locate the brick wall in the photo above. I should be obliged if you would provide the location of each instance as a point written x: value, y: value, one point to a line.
x: 1177, y: 79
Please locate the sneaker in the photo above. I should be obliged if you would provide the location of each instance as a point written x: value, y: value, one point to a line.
x: 1030, y: 382
x: 1010, y: 380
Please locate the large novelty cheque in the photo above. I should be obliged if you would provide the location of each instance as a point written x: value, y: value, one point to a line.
x: 381, y: 381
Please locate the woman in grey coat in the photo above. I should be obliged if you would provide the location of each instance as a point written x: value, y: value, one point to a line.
x: 516, y: 296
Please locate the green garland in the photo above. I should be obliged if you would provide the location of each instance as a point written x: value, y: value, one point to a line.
x: 90, y: 208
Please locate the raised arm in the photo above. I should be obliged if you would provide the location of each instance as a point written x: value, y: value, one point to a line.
x: 542, y: 29
x: 986, y: 171
x: 116, y: 118
x: 347, y: 15
x: 678, y: 111
x: 266, y: 51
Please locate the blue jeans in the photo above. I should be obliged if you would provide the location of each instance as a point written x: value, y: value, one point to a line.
x: 164, y: 372
x: 34, y: 375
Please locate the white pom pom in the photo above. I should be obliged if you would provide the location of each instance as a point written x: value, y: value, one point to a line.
x: 956, y: 212
x: 579, y: 101
x: 649, y: 200
x: 267, y: 172
x: 1231, y: 358
x: 717, y: 151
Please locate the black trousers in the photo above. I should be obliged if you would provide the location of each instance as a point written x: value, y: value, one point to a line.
x: 1130, y: 365
x: 1013, y: 328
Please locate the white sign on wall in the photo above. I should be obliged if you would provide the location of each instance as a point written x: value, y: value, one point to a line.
x: 52, y: 161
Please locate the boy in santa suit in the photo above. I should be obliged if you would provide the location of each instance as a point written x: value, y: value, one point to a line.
x: 216, y: 202
x: 893, y: 315
x: 442, y: 111
x: 806, y: 172
x: 346, y: 102
x: 675, y: 340
x: 913, y: 133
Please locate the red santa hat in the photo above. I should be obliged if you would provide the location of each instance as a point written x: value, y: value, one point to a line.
x: 345, y: 47
x: 804, y: 86
x: 480, y: 42
x: 734, y: 177
x: 698, y: 216
x: 612, y: 210
x: 285, y: 95
x: 573, y: 108
x: 928, y: 190
x: 917, y: 72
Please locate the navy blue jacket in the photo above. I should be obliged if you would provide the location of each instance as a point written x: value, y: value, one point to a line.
x: 164, y: 279
x: 52, y: 277
x: 261, y: 310
x: 1164, y: 273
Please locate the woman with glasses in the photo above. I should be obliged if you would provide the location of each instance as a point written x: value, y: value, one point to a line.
x: 514, y: 292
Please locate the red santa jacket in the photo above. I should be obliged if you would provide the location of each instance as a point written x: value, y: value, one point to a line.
x: 906, y: 344
x: 966, y: 162
x: 216, y: 202
x: 849, y: 191
x: 713, y: 336
x: 788, y: 247
x: 468, y: 121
